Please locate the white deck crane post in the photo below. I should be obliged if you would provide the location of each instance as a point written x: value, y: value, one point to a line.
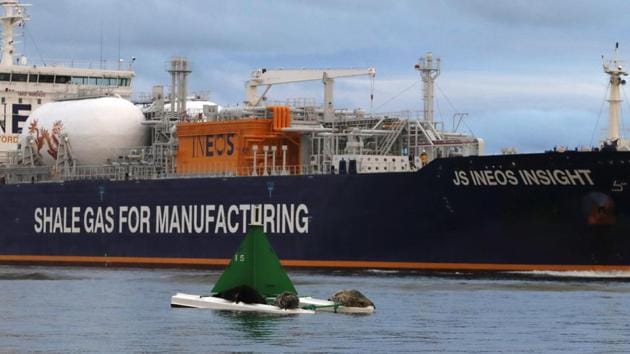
x: 269, y: 77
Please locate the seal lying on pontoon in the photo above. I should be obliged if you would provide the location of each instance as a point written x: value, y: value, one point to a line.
x: 351, y: 298
x: 255, y: 281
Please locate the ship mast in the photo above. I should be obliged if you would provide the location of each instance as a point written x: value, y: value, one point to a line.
x: 428, y: 73
x: 179, y: 71
x: 14, y: 14
x: 615, y: 70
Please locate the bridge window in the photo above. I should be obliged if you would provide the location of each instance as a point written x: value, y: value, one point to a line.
x: 112, y: 81
x: 100, y: 81
x: 5, y: 76
x: 33, y: 78
x: 79, y: 80
x: 46, y: 79
x: 19, y: 77
x: 62, y: 79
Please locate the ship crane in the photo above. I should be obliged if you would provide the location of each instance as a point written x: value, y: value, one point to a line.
x: 269, y: 77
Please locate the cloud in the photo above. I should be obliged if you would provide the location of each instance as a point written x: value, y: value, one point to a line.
x: 274, y: 28
x: 539, y: 13
x: 534, y: 131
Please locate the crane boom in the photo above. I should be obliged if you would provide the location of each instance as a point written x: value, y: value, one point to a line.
x: 267, y: 77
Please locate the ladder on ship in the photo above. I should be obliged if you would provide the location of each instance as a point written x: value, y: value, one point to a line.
x: 396, y: 128
x: 64, y: 163
x: 422, y: 134
x: 163, y: 147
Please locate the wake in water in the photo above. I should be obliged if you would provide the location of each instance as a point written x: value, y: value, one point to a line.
x: 586, y: 274
x: 382, y: 271
x: 33, y: 276
x: 208, y: 277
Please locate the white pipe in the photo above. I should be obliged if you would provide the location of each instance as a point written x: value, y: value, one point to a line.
x: 305, y: 129
x: 255, y: 149
x: 273, y: 159
x: 265, y: 149
x: 284, y: 159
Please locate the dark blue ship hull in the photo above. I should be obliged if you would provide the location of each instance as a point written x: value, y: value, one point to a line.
x: 555, y: 211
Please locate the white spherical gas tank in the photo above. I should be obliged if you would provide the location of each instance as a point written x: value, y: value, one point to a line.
x: 97, y: 128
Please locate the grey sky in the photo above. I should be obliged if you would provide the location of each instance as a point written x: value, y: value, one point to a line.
x: 528, y: 72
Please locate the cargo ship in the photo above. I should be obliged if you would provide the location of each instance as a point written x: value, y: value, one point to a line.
x: 98, y: 181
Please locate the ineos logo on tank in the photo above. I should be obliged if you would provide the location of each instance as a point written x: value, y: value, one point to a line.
x: 213, y: 145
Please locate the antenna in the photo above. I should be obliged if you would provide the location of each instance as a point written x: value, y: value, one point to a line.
x: 119, y: 58
x: 101, y: 47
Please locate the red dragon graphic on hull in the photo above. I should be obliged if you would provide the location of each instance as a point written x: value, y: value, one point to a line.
x: 42, y: 135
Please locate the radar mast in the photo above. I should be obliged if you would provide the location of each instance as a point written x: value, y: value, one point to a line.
x: 615, y: 70
x: 14, y: 15
x: 428, y: 72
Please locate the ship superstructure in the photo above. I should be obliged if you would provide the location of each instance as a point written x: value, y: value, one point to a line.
x: 293, y: 138
x: 25, y: 87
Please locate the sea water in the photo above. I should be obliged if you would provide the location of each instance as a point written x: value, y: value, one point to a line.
x: 66, y: 309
